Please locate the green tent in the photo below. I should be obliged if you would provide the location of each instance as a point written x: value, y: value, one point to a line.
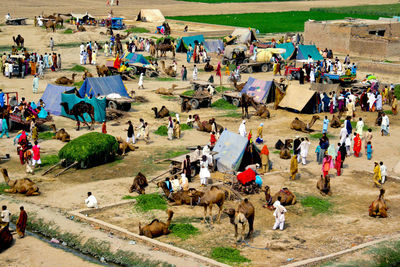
x: 99, y: 106
x: 184, y: 42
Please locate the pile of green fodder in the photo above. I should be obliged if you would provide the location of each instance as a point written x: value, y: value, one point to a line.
x: 90, y: 149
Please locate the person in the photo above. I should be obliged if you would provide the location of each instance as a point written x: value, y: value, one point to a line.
x: 177, y: 129
x: 59, y: 61
x: 264, y: 159
x: 195, y: 71
x: 394, y: 105
x: 342, y: 151
x: 190, y: 121
x: 104, y: 127
x: 183, y: 182
x: 318, y: 153
x: 130, y: 133
x: 383, y: 172
x: 184, y: 76
x: 213, y: 139
x: 338, y: 163
x: 91, y: 201
x: 141, y: 128
x: 242, y: 129
x: 368, y: 137
x: 324, y: 144
x: 259, y: 137
x: 4, y: 128
x: 385, y: 125
x: 348, y: 144
x: 5, y: 216
x: 175, y: 184
x: 347, y: 124
x: 369, y: 150
x: 325, y: 125
x: 51, y: 44
x: 327, y: 164
x: 360, y: 127
x: 146, y: 133
x: 279, y: 215
x: 293, y: 167
x: 35, y: 132
x: 21, y: 222
x: 301, y: 78
x: 170, y: 128
x: 186, y: 168
x: 377, y: 175
x: 36, y: 154
x: 378, y: 103
x: 2, y: 97
x: 204, y: 172
x: 357, y: 145
x: 296, y: 147
x: 343, y: 134
x: 304, y: 146
x: 35, y: 84
x: 141, y: 81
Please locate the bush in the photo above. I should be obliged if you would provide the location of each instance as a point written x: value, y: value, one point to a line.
x: 317, y: 204
x: 223, y: 104
x: 228, y: 255
x: 183, y: 230
x: 78, y: 68
x: 150, y: 202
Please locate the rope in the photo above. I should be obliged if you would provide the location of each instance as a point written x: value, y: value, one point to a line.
x: 247, y: 244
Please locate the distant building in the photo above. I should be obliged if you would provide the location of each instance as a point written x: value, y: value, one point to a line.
x: 377, y: 39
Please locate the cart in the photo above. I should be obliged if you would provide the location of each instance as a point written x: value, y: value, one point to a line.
x: 16, y: 121
x: 232, y: 97
x: 148, y: 70
x: 176, y: 163
x: 197, y: 101
x: 200, y: 85
x: 337, y: 78
x: 120, y: 103
x: 258, y: 66
x: 235, y: 55
x: 17, y: 21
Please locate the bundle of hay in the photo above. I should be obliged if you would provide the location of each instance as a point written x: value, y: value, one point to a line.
x: 90, y: 149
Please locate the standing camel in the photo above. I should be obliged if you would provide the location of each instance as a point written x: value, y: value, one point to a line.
x: 19, y: 41
x: 245, y: 102
x: 163, y: 48
x: 244, y: 214
x: 211, y: 197
x: 50, y: 25
x: 78, y: 110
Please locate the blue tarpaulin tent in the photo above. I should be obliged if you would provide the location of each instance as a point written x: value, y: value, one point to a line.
x: 103, y: 86
x: 212, y: 45
x: 304, y: 51
x: 52, y: 98
x: 290, y: 49
x: 184, y: 42
x: 136, y: 58
x: 99, y: 106
x: 260, y: 90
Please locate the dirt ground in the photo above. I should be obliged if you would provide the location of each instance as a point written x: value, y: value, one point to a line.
x: 352, y: 192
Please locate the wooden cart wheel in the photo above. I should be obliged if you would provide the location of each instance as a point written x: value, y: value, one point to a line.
x: 225, y: 98
x: 289, y: 77
x: 192, y: 171
x: 264, y: 68
x: 249, y: 69
x: 148, y: 73
x: 112, y: 104
x: 194, y: 103
x: 236, y: 102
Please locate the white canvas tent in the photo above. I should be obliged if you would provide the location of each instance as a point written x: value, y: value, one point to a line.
x: 150, y: 15
x: 244, y: 35
x: 298, y: 98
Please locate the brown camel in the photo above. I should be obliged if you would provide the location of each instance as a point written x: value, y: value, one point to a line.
x: 299, y: 125
x: 164, y: 112
x: 208, y: 67
x: 205, y: 126
x: 156, y: 228
x: 86, y: 74
x: 78, y: 110
x: 139, y: 184
x: 287, y: 197
x: 65, y: 81
x: 50, y: 25
x: 211, y: 197
x: 164, y: 91
x: 22, y: 186
x: 59, y: 20
x: 185, y: 105
x: 238, y: 87
x: 245, y: 102
x: 261, y: 109
x: 60, y: 134
x: 243, y: 214
x: 285, y: 152
x: 102, y: 71
x: 152, y: 50
x: 118, y: 44
x: 335, y: 122
x: 125, y: 147
x: 379, y: 207
x: 19, y: 41
x: 6, y: 238
x: 81, y: 28
x: 164, y: 48
x: 268, y: 198
x: 189, y: 197
x: 324, y: 185
x: 169, y: 71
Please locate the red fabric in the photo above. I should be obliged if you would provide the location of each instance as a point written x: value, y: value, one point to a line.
x: 219, y: 70
x: 213, y: 140
x: 117, y: 62
x: 357, y: 145
x: 265, y: 150
x: 246, y: 176
x: 36, y: 152
x: 338, y: 163
x: 103, y: 128
x: 22, y: 136
x: 325, y: 173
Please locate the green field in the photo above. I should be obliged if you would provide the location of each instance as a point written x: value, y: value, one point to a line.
x: 271, y: 22
x: 377, y: 10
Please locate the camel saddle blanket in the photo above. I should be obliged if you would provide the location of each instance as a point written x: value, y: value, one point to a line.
x: 286, y: 191
x: 246, y: 176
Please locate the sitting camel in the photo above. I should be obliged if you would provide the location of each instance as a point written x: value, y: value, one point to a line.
x: 185, y: 105
x: 335, y: 122
x: 169, y: 71
x: 268, y: 198
x: 23, y: 186
x: 189, y: 197
x: 164, y: 91
x: 287, y: 197
x: 299, y: 125
x: 65, y: 81
x: 378, y: 207
x: 208, y: 67
x: 86, y: 74
x: 261, y: 109
x: 285, y: 148
x: 139, y: 184
x: 164, y: 112
x: 156, y: 228
x: 324, y: 185
x: 125, y: 147
x: 243, y: 214
x: 205, y: 126
x: 211, y: 197
x: 60, y: 134
x: 102, y: 71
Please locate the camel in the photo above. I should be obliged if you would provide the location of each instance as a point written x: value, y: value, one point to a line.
x: 285, y: 152
x: 205, y: 126
x: 169, y: 71
x: 211, y: 197
x: 164, y: 91
x: 102, y: 71
x: 125, y: 147
x: 23, y: 186
x: 335, y: 122
x: 287, y: 197
x: 268, y: 198
x: 65, y: 81
x: 185, y: 105
x: 243, y: 214
x: 19, y: 41
x: 163, y: 48
x: 299, y: 125
x: 86, y: 74
x: 139, y: 184
x: 118, y: 44
x: 162, y: 113
x: 379, y: 207
x: 261, y: 109
x: 208, y: 67
x: 78, y: 110
x: 152, y: 50
x: 245, y: 102
x: 189, y: 197
x: 59, y: 20
x: 81, y: 28
x: 50, y: 25
x: 324, y: 185
x: 60, y: 134
x: 238, y: 87
x: 156, y: 228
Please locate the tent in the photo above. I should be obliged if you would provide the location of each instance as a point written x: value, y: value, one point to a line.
x: 244, y: 35
x: 262, y: 91
x: 103, y: 86
x: 290, y: 49
x: 184, y: 42
x: 234, y: 152
x: 212, y: 45
x: 326, y: 87
x: 99, y: 106
x: 304, y: 51
x: 150, y: 15
x: 136, y: 58
x: 52, y: 98
x: 299, y: 98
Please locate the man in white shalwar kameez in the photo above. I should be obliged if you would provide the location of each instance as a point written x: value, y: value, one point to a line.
x: 195, y: 71
x: 343, y: 134
x: 279, y: 215
x: 304, y: 146
x: 242, y: 128
x: 359, y: 127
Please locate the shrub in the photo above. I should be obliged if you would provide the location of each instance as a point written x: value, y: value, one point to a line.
x: 228, y: 255
x: 150, y: 202
x: 68, y: 31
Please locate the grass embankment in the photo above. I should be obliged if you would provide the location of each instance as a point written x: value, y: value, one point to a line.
x: 68, y: 45
x: 163, y: 131
x: 292, y: 21
x: 318, y: 205
x: 68, y: 31
x: 3, y: 186
x: 376, y: 10
x: 228, y: 255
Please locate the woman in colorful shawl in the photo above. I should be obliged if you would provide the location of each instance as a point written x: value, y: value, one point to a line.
x: 327, y: 164
x: 357, y: 145
x: 338, y: 164
x: 377, y: 175
x: 293, y: 167
x: 265, y: 159
x: 21, y: 222
x: 394, y: 106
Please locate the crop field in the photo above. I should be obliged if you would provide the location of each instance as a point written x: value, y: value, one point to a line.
x: 274, y: 22
x: 377, y: 10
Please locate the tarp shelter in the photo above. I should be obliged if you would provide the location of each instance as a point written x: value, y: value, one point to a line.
x: 103, y: 86
x: 212, y: 45
x: 290, y: 49
x: 261, y: 91
x: 299, y: 98
x: 82, y: 18
x: 325, y: 87
x: 234, y: 152
x: 184, y: 42
x: 244, y: 35
x: 150, y: 15
x: 304, y: 51
x: 136, y: 58
x: 72, y: 99
x: 52, y: 98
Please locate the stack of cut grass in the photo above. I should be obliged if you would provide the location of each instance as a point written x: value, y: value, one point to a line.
x: 150, y: 202
x: 183, y: 230
x: 223, y: 104
x: 78, y: 68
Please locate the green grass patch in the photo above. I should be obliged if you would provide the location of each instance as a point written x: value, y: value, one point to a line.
x: 3, y: 186
x: 221, y: 89
x: 223, y: 104
x: 386, y: 254
x: 166, y: 79
x: 319, y: 135
x: 46, y: 135
x: 68, y: 45
x: 163, y: 130
x: 49, y: 160
x: 68, y: 31
x: 228, y: 255
x: 150, y: 202
x: 183, y: 230
x: 137, y: 30
x: 294, y: 20
x: 128, y: 197
x: 317, y: 204
x: 78, y: 84
x: 397, y: 91
x: 389, y: 112
x: 188, y: 93
x: 375, y: 10
x: 232, y: 114
x: 174, y: 153
x: 78, y: 68
x: 169, y: 97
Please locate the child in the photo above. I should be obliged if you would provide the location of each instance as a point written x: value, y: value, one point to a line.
x: 36, y: 155
x: 190, y: 121
x: 104, y: 127
x: 213, y: 140
x: 318, y: 152
x: 369, y: 150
